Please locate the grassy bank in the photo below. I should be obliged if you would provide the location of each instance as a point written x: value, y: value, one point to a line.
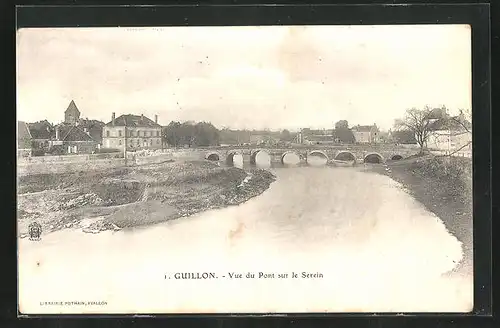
x: 133, y: 196
x: 444, y: 186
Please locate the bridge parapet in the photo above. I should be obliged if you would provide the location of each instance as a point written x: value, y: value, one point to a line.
x: 332, y: 153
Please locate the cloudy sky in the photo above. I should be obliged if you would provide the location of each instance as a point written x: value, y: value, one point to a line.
x: 244, y: 77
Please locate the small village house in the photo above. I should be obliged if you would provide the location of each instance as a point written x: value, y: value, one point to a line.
x: 365, y: 133
x: 23, y: 139
x: 73, y: 139
x: 450, y: 134
x: 136, y: 131
x: 319, y: 136
x: 73, y: 135
x: 42, y: 133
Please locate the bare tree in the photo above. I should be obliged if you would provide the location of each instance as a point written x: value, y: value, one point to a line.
x: 464, y: 121
x: 419, y: 122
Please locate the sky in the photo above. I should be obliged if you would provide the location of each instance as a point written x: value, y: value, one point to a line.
x: 273, y: 77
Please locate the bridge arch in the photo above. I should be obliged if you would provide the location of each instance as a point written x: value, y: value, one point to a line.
x: 254, y: 153
x: 317, y: 153
x: 373, y: 158
x: 231, y: 157
x: 345, y: 155
x: 212, y: 156
x: 396, y: 157
x: 291, y: 153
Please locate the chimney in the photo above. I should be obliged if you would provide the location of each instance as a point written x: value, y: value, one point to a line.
x: 156, y: 119
x: 113, y: 118
x: 142, y: 117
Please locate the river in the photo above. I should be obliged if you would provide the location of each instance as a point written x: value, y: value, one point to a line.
x: 372, y: 247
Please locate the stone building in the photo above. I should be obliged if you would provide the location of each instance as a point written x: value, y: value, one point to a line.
x: 72, y: 114
x: 136, y: 131
x: 365, y: 133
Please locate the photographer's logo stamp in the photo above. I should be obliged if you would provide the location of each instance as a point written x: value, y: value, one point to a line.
x: 35, y: 231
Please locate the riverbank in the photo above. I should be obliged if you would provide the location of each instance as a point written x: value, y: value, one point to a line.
x: 444, y: 186
x: 129, y: 197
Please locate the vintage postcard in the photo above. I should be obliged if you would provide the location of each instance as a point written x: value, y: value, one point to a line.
x: 271, y: 169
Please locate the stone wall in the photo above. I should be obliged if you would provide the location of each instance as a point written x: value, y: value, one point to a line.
x: 66, y: 166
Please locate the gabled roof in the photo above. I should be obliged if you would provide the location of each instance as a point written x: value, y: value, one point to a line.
x: 454, y: 123
x: 94, y: 128
x: 23, y: 132
x: 72, y: 107
x: 134, y: 121
x: 362, y: 128
x: 68, y: 132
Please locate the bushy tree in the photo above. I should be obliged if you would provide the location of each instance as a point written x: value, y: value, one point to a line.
x: 418, y: 121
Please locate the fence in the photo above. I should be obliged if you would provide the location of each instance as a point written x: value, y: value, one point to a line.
x: 461, y: 153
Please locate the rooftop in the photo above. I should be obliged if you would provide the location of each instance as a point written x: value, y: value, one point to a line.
x: 134, y: 121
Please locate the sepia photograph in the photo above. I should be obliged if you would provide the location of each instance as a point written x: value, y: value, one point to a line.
x: 244, y: 169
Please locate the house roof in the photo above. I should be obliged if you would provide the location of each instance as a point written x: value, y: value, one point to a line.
x: 94, y: 128
x: 454, y: 123
x: 41, y: 130
x: 72, y: 108
x: 68, y: 132
x: 362, y: 128
x: 23, y: 132
x: 134, y: 121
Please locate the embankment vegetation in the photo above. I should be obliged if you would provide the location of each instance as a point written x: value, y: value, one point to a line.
x: 133, y: 196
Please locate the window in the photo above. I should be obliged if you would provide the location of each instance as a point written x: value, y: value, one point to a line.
x: 119, y: 133
x: 157, y: 141
x: 107, y: 133
x: 150, y: 142
x: 138, y: 143
x: 157, y: 133
x: 120, y: 142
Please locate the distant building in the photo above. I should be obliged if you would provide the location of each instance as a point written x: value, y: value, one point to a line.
x: 365, y: 133
x: 320, y: 136
x: 136, y: 131
x: 42, y: 133
x: 450, y: 134
x: 72, y: 114
x: 263, y: 139
x: 23, y: 139
x: 73, y: 139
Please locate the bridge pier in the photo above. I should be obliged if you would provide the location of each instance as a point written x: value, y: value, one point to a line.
x: 336, y: 155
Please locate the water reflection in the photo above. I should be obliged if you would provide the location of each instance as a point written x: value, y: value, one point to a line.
x: 238, y: 160
x: 291, y: 159
x: 316, y: 160
x: 262, y: 159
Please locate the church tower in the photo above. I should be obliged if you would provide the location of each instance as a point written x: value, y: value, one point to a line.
x: 72, y: 114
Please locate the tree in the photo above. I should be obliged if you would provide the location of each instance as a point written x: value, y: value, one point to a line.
x: 342, y: 125
x: 206, y: 134
x: 191, y: 134
x: 342, y: 132
x: 171, y: 134
x: 417, y: 121
x: 285, y: 136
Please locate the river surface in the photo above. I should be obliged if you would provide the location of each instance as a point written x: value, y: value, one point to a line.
x: 372, y: 247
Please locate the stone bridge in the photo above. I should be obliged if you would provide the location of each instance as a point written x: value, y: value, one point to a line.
x: 353, y: 154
